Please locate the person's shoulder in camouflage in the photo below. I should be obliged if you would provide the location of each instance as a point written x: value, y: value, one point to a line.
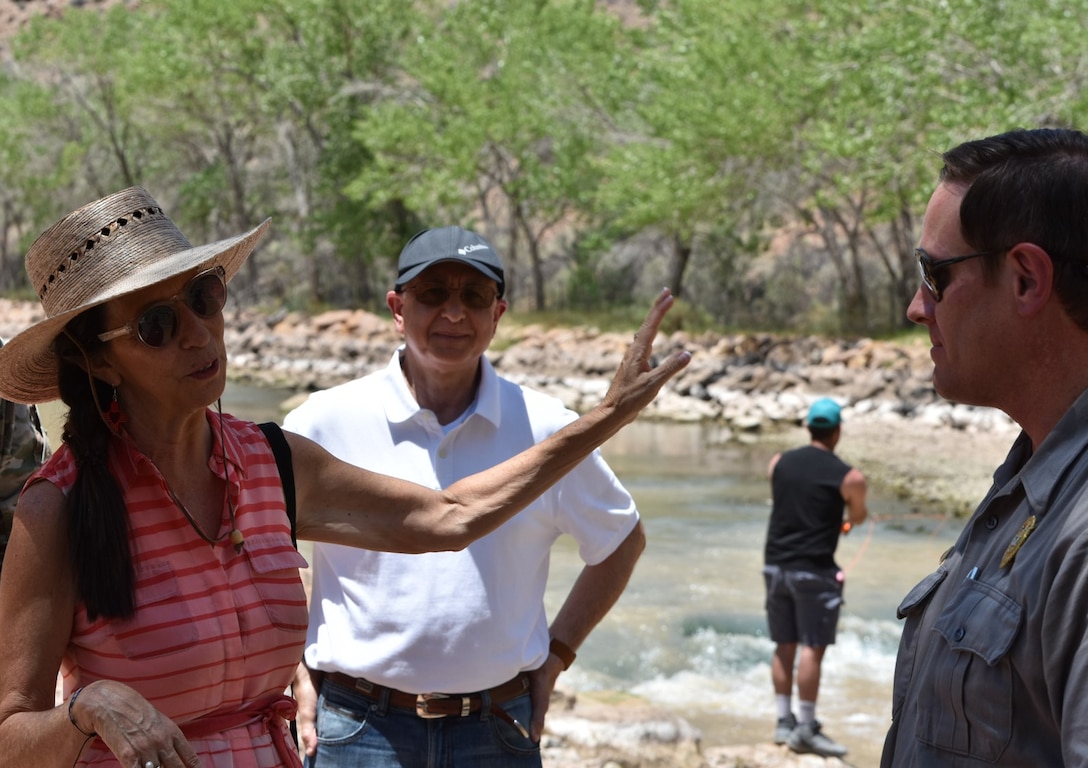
x: 23, y: 448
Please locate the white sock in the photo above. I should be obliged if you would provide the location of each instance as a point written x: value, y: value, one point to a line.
x: 807, y: 712
x: 783, y: 704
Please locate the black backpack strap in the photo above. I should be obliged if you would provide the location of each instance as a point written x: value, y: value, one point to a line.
x: 282, y: 451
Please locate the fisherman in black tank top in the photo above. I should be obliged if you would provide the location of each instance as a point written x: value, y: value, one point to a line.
x: 811, y: 488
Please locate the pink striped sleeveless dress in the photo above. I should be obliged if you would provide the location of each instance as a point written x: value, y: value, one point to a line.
x: 216, y: 634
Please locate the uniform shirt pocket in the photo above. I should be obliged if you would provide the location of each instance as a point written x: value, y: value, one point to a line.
x: 980, y: 619
x: 970, y: 678
x: 921, y: 593
x: 912, y: 608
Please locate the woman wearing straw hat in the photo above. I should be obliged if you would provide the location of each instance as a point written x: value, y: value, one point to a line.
x: 151, y: 559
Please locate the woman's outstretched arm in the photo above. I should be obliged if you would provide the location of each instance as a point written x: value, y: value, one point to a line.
x: 342, y: 504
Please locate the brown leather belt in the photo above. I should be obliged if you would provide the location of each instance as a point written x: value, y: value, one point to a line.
x: 434, y: 705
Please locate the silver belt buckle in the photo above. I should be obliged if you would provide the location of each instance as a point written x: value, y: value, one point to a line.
x: 421, y: 705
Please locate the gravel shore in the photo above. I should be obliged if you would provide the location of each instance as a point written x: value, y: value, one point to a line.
x: 938, y: 469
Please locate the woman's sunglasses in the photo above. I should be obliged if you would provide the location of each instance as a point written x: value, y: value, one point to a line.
x: 205, y: 295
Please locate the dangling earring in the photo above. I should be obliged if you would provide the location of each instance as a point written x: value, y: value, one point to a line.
x: 114, y: 416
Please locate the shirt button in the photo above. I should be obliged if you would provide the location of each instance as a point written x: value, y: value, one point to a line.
x: 443, y: 453
x: 991, y: 523
x: 959, y: 634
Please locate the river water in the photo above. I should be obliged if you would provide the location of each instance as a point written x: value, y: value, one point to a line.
x: 689, y: 633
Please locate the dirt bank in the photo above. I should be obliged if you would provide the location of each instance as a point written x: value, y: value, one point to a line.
x: 939, y: 470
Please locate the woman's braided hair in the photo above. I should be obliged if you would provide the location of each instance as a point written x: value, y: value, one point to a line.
x: 98, y: 532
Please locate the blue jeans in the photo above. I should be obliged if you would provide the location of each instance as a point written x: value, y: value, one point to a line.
x: 356, y: 732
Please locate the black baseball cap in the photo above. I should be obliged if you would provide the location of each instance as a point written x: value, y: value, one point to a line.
x: 433, y: 246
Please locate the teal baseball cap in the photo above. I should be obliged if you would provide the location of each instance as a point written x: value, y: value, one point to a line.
x: 825, y: 413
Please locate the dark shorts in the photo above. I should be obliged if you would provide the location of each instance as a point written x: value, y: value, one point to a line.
x: 803, y: 606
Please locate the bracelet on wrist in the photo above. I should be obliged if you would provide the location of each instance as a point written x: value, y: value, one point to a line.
x: 71, y: 715
x: 563, y: 651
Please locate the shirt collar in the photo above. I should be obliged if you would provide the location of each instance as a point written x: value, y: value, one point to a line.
x: 228, y: 448
x: 403, y: 406
x: 1041, y: 472
x: 135, y: 461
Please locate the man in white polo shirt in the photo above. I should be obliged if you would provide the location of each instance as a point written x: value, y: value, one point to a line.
x: 448, y: 659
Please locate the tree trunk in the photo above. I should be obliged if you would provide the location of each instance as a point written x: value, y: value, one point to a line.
x: 681, y: 255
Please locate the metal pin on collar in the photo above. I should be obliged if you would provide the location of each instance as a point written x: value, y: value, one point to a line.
x: 1017, y: 542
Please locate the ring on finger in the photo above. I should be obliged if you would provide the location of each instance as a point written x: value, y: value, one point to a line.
x: 151, y: 764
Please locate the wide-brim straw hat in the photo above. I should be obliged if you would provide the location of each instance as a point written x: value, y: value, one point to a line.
x: 107, y: 249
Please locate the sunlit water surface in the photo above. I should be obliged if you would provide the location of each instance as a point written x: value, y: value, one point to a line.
x: 689, y: 632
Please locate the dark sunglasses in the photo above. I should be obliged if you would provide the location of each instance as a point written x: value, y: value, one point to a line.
x: 436, y: 294
x: 934, y: 271
x: 205, y: 295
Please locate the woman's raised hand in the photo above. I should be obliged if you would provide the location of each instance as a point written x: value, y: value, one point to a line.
x: 636, y: 382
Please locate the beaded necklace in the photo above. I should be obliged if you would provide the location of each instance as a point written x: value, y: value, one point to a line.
x: 236, y: 536
x: 114, y: 420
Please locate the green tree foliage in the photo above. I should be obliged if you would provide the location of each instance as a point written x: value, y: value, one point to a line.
x: 328, y: 61
x: 146, y: 99
x: 31, y: 171
x: 890, y: 85
x: 769, y: 161
x: 492, y: 124
x: 702, y: 113
x: 228, y: 112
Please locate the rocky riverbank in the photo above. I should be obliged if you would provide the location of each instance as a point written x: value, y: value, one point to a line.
x: 744, y: 387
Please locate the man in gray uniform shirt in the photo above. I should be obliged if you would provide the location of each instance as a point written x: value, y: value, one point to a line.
x: 993, y: 662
